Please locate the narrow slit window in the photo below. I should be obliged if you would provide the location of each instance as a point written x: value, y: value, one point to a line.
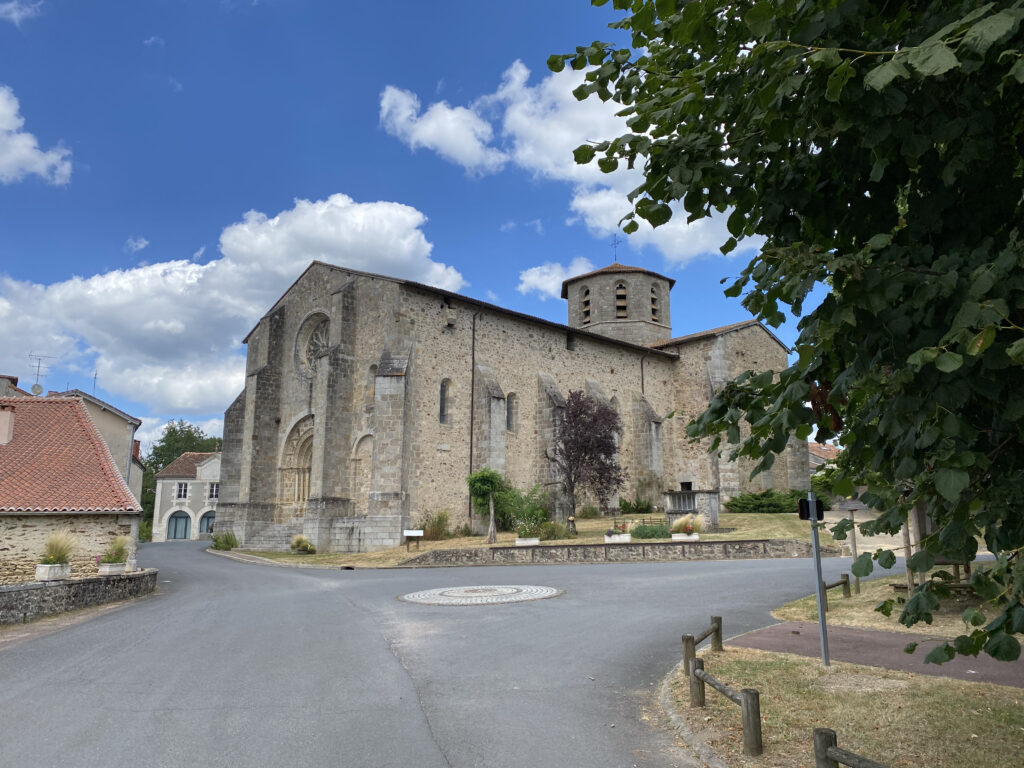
x: 443, y: 412
x: 585, y: 306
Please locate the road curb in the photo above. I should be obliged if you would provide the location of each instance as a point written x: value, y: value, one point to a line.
x: 682, y: 728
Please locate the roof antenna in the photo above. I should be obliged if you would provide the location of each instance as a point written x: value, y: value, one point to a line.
x: 41, y: 370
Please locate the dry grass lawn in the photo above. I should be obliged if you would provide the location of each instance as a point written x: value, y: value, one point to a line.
x: 859, y: 610
x: 897, y: 718
x: 732, y: 527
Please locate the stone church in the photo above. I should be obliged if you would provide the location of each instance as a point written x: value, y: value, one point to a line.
x: 369, y: 399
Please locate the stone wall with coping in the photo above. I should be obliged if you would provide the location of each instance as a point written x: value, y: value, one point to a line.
x: 22, y: 538
x: 24, y: 602
x: 617, y: 553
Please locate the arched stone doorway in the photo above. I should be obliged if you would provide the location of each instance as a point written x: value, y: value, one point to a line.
x: 295, y: 468
x: 179, y: 526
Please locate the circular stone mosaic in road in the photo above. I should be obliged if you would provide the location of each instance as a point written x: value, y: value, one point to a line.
x: 480, y: 595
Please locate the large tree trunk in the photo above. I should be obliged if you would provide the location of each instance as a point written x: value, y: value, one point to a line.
x: 492, y: 531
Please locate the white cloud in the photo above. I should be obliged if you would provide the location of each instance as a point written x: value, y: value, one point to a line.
x: 16, y: 11
x: 154, y: 41
x: 20, y: 155
x: 135, y: 244
x: 546, y: 280
x: 168, y: 335
x: 541, y: 125
x: 176, y: 86
x: 199, y: 253
x: 458, y: 134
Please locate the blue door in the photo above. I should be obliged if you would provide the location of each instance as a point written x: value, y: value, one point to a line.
x: 206, y: 523
x: 179, y: 526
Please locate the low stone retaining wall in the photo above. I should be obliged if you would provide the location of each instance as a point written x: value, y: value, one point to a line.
x: 24, y: 602
x: 617, y: 553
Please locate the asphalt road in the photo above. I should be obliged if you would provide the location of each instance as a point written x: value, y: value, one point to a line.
x: 231, y: 664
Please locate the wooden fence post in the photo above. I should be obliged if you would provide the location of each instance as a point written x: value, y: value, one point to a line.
x: 823, y: 739
x: 716, y: 634
x: 846, y: 585
x: 689, y: 651
x: 751, y: 707
x: 824, y: 592
x: 696, y: 684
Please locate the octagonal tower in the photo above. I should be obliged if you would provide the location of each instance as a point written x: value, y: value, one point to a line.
x: 626, y: 303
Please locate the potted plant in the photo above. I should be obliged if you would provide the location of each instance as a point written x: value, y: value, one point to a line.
x: 687, y: 528
x: 618, y: 534
x: 112, y: 561
x: 55, y: 562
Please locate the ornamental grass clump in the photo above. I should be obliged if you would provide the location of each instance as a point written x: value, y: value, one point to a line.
x: 688, y: 524
x: 223, y: 541
x: 302, y: 546
x: 58, y: 547
x: 117, y: 552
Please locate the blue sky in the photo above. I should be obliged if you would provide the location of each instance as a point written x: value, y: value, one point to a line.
x: 168, y: 167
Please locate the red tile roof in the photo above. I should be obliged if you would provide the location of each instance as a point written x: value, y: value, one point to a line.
x: 824, y: 451
x: 56, y: 461
x: 185, y: 465
x: 612, y: 268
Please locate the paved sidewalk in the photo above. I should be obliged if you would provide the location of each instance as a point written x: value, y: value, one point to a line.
x: 877, y: 648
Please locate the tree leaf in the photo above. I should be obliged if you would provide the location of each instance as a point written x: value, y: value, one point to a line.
x: 886, y: 558
x: 932, y: 59
x: 584, y: 153
x: 983, y: 34
x: 1002, y: 647
x: 863, y: 565
x: 921, y: 561
x: 948, y: 362
x: 923, y: 356
x: 879, y: 77
x: 837, y: 80
x: 940, y: 654
x: 973, y: 617
x: 951, y: 483
x: 556, y: 63
x: 1016, y: 350
x: 759, y: 19
x: 982, y: 341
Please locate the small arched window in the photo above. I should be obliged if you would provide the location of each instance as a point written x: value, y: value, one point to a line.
x: 444, y: 407
x: 511, y: 411
x: 371, y: 384
x: 585, y: 306
x: 655, y: 309
x: 620, y: 301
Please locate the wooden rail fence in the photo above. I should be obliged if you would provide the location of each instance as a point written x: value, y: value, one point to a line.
x: 844, y: 582
x: 749, y: 701
x: 827, y: 753
x: 714, y: 631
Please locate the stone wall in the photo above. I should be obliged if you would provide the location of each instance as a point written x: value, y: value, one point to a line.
x: 24, y: 602
x: 616, y: 553
x: 22, y: 538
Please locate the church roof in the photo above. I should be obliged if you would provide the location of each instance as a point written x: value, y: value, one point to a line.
x: 719, y: 331
x: 56, y: 461
x: 615, y: 268
x: 186, y: 464
x: 477, y: 303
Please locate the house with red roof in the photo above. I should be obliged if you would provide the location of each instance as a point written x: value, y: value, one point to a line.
x: 187, y: 491
x: 56, y: 472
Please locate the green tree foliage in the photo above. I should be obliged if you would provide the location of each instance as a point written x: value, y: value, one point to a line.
x: 586, y: 450
x: 177, y: 438
x: 876, y: 147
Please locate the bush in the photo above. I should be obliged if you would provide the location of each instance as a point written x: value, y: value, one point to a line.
x: 635, y: 507
x: 646, y: 531
x: 588, y: 512
x: 117, y: 552
x: 302, y: 546
x: 58, y: 547
x: 821, y: 484
x: 146, y: 530
x: 435, y: 526
x: 223, y: 541
x: 551, y: 530
x: 465, y: 531
x: 688, y: 524
x: 766, y: 502
x: 529, y: 510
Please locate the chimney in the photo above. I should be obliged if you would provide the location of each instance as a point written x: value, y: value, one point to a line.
x: 6, y: 423
x: 137, y: 449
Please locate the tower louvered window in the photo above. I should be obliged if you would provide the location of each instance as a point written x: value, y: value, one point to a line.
x: 620, y: 301
x: 655, y: 309
x: 585, y: 306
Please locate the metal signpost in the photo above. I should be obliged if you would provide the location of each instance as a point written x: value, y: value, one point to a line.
x: 812, y: 515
